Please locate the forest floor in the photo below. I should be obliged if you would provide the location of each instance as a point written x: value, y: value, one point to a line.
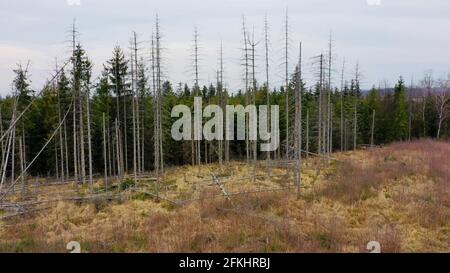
x: 398, y: 195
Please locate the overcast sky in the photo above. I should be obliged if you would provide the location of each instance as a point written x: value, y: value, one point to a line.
x: 389, y: 38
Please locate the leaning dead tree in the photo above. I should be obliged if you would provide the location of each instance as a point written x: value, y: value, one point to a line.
x: 3, y: 194
x: 8, y: 147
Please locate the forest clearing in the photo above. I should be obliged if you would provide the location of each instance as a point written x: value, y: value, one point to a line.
x: 397, y: 195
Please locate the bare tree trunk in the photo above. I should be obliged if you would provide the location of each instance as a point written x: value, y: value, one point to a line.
x: 118, y: 141
x: 118, y: 148
x: 66, y: 148
x: 5, y: 165
x: 286, y: 63
x: 410, y: 110
x: 159, y: 159
x: 133, y: 103
x: 197, y: 93
x: 125, y: 137
x: 136, y: 107
x: 159, y: 81
x: 1, y: 134
x: 345, y: 135
x: 355, y: 122
x: 424, y: 104
x: 372, y: 129
x: 142, y: 109
x: 111, y: 166
x: 220, y: 98
x: 138, y: 131
x: 442, y: 107
x: 88, y: 114
x: 56, y: 158
x: 224, y: 103
x: 266, y: 47
x: 114, y: 155
x: 253, y: 102
x: 104, y: 153
x: 75, y: 150
x: 24, y: 156
x: 221, y: 95
x: 439, y: 129
x: 81, y: 147
x: 13, y: 153
x: 320, y: 122
x: 329, y: 90
x: 246, y: 80
x: 22, y: 168
x: 330, y: 132
x: 299, y: 122
x: 342, y: 106
x: 75, y: 97
x: 307, y: 133
x: 60, y: 133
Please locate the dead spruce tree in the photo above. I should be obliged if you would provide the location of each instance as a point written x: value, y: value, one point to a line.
x: 88, y: 115
x: 196, y: 133
x: 222, y: 105
x: 223, y: 102
x: 286, y: 78
x: 246, y: 64
x: 61, y: 142
x: 142, y: 82
x: 319, y: 64
x: 329, y: 124
x: 298, y: 122
x: 74, y: 117
x: 267, y: 84
x: 252, y: 100
x: 355, y: 104
x: 158, y: 147
x: 341, y: 98
x: 133, y: 52
x: 105, y: 159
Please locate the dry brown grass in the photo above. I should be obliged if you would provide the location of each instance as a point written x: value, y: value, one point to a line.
x: 398, y: 195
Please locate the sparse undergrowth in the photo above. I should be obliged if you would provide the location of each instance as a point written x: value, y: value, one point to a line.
x: 398, y: 195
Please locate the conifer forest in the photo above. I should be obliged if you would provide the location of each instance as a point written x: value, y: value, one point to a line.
x: 88, y: 153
